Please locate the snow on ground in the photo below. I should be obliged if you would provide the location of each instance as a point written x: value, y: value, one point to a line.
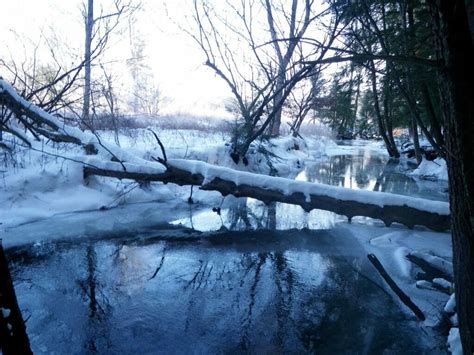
x: 454, y: 341
x: 349, y: 147
x: 391, y: 246
x: 44, y: 197
x: 35, y: 185
x: 285, y: 154
x: 41, y: 186
x: 435, y: 169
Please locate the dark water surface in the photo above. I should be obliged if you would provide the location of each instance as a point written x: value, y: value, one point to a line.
x: 359, y: 168
x: 258, y: 292
x: 244, y: 289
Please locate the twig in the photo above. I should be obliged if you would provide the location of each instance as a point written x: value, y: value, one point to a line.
x: 190, y: 198
x: 114, y: 157
x: 402, y: 295
x: 160, y: 265
x: 165, y: 159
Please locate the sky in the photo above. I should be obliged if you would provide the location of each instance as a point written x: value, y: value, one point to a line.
x: 174, y: 59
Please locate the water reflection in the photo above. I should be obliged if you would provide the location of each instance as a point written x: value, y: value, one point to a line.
x: 250, y: 214
x: 370, y: 170
x: 350, y: 171
x: 364, y: 169
x: 233, y: 292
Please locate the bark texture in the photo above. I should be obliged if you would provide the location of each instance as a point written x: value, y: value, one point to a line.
x: 458, y: 53
x: 388, y: 214
x: 13, y: 337
x: 88, y: 23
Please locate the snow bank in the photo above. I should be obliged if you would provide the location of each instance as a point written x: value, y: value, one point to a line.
x: 39, y: 185
x: 282, y: 156
x: 352, y: 147
x: 435, y: 169
x: 454, y: 342
x: 437, y: 262
x: 390, y: 245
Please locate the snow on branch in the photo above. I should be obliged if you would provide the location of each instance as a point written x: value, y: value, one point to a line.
x: 387, y: 207
x: 45, y: 124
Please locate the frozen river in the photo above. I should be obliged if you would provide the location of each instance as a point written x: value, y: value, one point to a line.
x: 252, y: 278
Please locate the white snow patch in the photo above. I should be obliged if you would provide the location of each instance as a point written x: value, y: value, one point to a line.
x: 424, y: 284
x: 442, y: 282
x: 401, y: 260
x: 435, y: 169
x: 454, y: 342
x: 454, y: 320
x: 436, y: 262
x: 451, y: 304
x: 5, y: 312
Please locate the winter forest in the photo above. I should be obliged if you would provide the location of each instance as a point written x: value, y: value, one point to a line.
x: 237, y: 176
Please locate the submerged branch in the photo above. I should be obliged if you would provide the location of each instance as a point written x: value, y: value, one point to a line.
x: 398, y: 291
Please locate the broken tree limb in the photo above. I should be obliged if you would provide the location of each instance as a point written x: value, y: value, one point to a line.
x: 43, y: 123
x: 432, y: 270
x: 398, y: 291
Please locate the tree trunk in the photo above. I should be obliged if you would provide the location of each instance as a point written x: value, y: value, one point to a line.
x: 378, y: 114
x: 13, y: 337
x: 459, y: 80
x: 89, y: 24
x: 408, y: 23
x: 416, y: 140
x: 435, y: 125
x: 276, y: 123
x: 307, y: 195
x: 388, y: 121
x: 356, y: 103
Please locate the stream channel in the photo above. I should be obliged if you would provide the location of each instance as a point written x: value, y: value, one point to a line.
x: 252, y: 279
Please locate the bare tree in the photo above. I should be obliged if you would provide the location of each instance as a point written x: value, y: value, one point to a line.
x: 260, y: 79
x: 98, y: 29
x: 107, y: 92
x: 89, y: 25
x: 303, y: 100
x: 285, y: 45
x: 146, y: 96
x: 51, y: 83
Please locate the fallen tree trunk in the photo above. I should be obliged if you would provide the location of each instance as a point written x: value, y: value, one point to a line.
x: 387, y: 207
x: 118, y: 163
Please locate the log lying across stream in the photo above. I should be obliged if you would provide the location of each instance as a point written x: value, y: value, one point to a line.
x: 389, y: 208
x: 112, y: 161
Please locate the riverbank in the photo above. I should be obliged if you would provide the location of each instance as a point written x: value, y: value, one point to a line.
x: 48, y: 206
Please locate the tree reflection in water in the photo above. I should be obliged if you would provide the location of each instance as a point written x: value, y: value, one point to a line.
x: 250, y: 291
x: 247, y: 288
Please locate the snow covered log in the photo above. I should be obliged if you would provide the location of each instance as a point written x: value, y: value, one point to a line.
x: 387, y: 207
x: 115, y: 162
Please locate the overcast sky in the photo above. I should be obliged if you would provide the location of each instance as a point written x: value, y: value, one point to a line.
x: 175, y: 60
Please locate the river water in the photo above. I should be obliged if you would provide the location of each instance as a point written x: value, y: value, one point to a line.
x: 364, y: 167
x: 234, y: 288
